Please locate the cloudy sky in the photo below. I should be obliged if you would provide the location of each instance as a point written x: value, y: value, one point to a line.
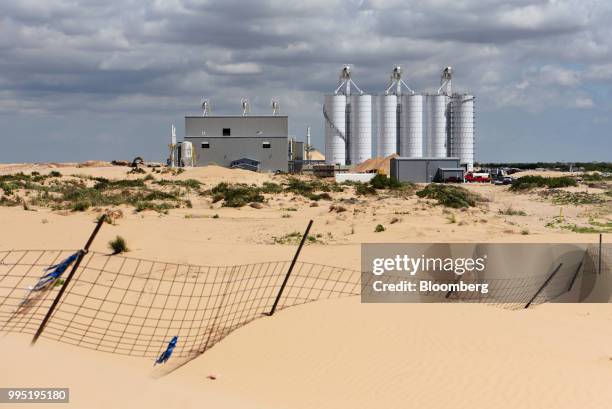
x: 105, y: 79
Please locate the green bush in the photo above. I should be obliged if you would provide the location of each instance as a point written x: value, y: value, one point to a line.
x: 320, y: 196
x: 450, y: 196
x: 379, y: 228
x: 80, y: 206
x: 118, y: 245
x: 301, y: 187
x: 364, y: 189
x: 236, y: 195
x: 383, y: 182
x: 269, y: 187
x: 531, y: 182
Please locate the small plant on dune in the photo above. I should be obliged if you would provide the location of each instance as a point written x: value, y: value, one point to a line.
x: 80, y: 206
x: 236, y: 195
x: 509, y: 211
x: 379, y: 228
x: 450, y: 196
x: 364, y: 189
x: 270, y: 187
x: 118, y: 245
x: 320, y: 196
x: 525, y: 232
x: 381, y: 181
x: 55, y: 174
x: 295, y: 238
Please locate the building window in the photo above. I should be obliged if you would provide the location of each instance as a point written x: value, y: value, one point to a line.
x: 227, y: 132
x: 266, y: 145
x: 205, y: 145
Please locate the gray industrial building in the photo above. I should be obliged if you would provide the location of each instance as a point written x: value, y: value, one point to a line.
x: 426, y: 170
x: 248, y: 141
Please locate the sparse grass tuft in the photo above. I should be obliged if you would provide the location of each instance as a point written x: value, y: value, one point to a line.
x: 509, y: 211
x: 295, y: 238
x: 118, y: 245
x: 561, y: 197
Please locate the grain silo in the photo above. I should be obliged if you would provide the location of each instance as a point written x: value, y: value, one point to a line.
x: 462, y: 129
x: 387, y: 144
x: 348, y: 123
x: 411, y: 136
x: 437, y: 129
x: 334, y: 111
x: 399, y: 124
x: 360, y: 144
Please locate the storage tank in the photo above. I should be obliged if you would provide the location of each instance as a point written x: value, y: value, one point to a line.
x: 411, y: 136
x: 462, y: 129
x: 187, y: 154
x: 361, y: 129
x: 388, y: 122
x: 334, y: 112
x: 436, y: 109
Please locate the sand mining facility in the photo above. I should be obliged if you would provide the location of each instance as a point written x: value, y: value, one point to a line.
x: 425, y: 136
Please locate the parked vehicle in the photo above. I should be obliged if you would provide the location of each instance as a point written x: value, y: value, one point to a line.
x: 477, y: 177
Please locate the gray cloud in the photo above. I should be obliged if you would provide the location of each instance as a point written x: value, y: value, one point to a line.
x: 69, y: 68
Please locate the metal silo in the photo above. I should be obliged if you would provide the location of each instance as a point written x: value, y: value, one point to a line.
x: 334, y: 112
x: 411, y: 137
x: 436, y: 118
x: 388, y: 122
x: 462, y: 129
x: 360, y: 146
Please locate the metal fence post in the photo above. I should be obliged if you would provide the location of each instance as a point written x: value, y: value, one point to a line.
x: 543, y: 285
x: 67, y: 281
x: 295, y: 257
x: 571, y: 284
x: 600, y: 250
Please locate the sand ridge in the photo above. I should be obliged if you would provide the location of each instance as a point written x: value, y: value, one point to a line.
x: 336, y: 353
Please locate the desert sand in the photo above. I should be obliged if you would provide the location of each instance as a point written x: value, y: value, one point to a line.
x: 335, y: 353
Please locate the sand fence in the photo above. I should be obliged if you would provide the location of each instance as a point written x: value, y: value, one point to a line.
x: 135, y: 306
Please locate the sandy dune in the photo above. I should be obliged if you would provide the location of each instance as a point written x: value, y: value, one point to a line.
x: 341, y: 353
x: 336, y: 353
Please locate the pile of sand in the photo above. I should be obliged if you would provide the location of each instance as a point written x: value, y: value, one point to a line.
x: 316, y: 155
x: 380, y: 165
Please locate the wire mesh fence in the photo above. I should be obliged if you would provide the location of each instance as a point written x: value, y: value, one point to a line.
x: 134, y: 307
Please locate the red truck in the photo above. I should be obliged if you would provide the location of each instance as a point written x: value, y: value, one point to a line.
x: 477, y: 177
